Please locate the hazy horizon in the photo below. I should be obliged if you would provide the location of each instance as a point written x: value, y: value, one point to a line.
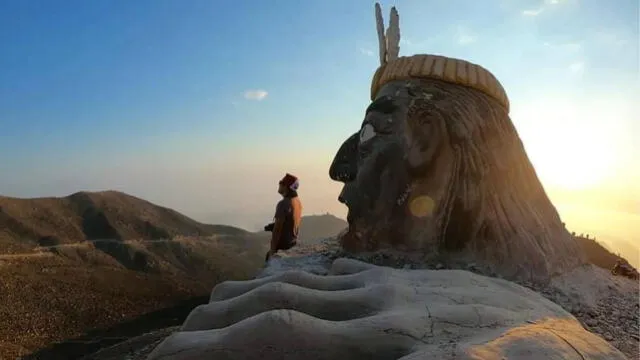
x: 202, y: 106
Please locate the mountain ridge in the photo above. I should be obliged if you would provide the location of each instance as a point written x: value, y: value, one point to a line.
x: 46, y: 221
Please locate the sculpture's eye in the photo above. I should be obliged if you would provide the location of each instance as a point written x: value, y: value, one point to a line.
x: 383, y: 105
x: 367, y: 133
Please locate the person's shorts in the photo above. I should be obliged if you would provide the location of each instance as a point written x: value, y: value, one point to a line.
x: 287, y: 246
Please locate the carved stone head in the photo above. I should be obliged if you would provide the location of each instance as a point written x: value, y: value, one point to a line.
x: 438, y: 166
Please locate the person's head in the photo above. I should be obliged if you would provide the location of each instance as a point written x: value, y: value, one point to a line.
x: 288, y: 185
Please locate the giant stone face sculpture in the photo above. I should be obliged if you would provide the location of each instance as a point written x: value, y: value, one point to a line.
x: 438, y: 166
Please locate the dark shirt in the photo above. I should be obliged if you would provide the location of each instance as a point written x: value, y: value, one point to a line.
x: 289, y: 209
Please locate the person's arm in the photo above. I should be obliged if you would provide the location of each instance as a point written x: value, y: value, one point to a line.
x: 281, y: 212
x: 296, y: 209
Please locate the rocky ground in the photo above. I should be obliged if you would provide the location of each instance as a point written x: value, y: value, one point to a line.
x: 604, y: 304
x: 73, y: 300
x: 50, y: 307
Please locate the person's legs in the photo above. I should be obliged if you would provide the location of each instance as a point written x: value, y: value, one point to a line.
x: 281, y: 246
x: 287, y: 246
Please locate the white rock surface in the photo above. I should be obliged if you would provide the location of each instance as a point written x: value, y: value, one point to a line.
x: 317, y: 264
x: 311, y: 258
x: 362, y: 311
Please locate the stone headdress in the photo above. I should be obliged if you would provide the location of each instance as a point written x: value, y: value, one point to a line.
x: 394, y: 67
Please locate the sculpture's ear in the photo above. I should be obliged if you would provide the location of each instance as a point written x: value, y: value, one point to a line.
x: 344, y: 167
x: 425, y: 132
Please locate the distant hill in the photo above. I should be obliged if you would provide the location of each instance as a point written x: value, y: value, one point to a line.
x: 95, y: 260
x: 628, y: 249
x: 27, y: 223
x: 597, y: 253
x: 316, y: 227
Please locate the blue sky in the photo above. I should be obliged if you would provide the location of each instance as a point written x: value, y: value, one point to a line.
x: 202, y: 105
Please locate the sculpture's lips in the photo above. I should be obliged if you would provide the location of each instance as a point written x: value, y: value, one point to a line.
x: 341, y: 198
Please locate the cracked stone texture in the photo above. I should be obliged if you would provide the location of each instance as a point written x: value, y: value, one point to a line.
x: 437, y: 167
x: 364, y: 311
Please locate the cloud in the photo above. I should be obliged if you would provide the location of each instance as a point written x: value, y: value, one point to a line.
x: 573, y: 46
x: 541, y: 9
x: 257, y: 95
x: 407, y: 42
x: 464, y: 37
x: 577, y: 68
x: 610, y: 38
x: 534, y: 12
x: 422, y: 45
x: 569, y: 47
x: 367, y: 52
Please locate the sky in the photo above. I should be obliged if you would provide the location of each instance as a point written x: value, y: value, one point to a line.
x: 202, y: 106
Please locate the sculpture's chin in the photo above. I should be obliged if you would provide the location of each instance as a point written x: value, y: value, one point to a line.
x: 359, y: 236
x: 363, y: 235
x: 371, y: 227
x: 350, y: 240
x: 350, y: 218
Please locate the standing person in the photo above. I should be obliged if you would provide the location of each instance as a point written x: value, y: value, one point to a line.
x: 284, y: 229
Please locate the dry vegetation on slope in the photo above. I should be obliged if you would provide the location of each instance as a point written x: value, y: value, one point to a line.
x: 66, y: 291
x: 59, y: 279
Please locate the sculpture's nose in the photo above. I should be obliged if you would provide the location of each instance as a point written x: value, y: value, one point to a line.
x: 344, y: 165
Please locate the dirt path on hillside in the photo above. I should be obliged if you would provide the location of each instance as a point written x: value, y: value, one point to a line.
x: 45, y: 251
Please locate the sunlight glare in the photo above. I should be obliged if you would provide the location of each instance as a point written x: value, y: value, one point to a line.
x: 571, y: 145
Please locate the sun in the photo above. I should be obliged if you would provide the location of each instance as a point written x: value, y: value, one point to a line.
x: 570, y: 149
x: 575, y: 164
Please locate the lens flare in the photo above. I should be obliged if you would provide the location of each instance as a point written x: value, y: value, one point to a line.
x: 422, y: 206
